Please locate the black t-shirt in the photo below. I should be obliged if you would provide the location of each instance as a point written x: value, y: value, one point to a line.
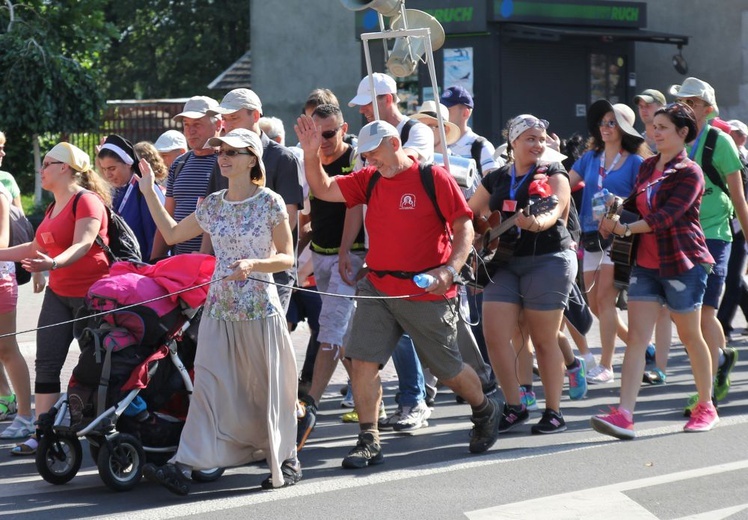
x: 498, y: 184
x: 328, y: 217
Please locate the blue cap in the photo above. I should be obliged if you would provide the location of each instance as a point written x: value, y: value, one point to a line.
x: 456, y: 95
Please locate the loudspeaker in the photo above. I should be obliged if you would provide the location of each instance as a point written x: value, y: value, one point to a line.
x: 383, y: 7
x: 406, y: 52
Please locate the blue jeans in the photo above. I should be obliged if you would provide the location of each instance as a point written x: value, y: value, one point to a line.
x: 736, y: 291
x: 409, y: 373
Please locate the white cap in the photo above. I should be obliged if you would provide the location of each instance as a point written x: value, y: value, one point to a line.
x: 171, y: 140
x: 694, y: 87
x: 383, y: 84
x: 738, y: 126
x: 196, y: 107
x: 241, y: 138
x: 236, y: 100
x: 372, y: 134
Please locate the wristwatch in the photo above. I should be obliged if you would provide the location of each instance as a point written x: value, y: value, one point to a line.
x: 54, y: 265
x: 626, y: 230
x: 452, y: 271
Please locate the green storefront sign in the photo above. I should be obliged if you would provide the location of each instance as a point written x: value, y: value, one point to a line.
x: 579, y: 12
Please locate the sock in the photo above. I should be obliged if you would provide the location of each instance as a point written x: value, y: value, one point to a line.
x: 482, y: 410
x: 573, y: 365
x: 372, y: 429
x: 526, y: 388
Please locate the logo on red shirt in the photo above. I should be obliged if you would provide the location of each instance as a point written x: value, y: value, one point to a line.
x: 408, y: 201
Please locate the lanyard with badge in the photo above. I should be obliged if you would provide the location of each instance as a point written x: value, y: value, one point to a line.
x: 598, y: 199
x: 602, y: 173
x: 130, y: 187
x: 510, y: 205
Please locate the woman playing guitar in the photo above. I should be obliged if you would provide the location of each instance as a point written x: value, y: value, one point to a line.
x: 537, y: 279
x: 672, y: 261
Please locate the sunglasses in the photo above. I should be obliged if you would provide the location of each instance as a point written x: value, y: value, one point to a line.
x: 532, y: 122
x: 609, y: 124
x: 231, y: 153
x: 329, y: 134
x: 691, y: 103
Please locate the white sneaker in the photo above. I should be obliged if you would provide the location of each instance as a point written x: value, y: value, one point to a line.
x: 347, y: 401
x: 590, y: 361
x: 413, y: 418
x: 390, y: 422
x: 600, y: 375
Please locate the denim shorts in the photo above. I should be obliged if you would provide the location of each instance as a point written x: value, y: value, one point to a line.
x: 720, y: 251
x: 683, y: 293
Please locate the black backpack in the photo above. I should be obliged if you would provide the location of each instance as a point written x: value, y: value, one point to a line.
x: 123, y: 244
x: 21, y: 232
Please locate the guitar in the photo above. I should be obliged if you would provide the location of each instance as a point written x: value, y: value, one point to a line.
x: 623, y: 249
x: 490, y: 252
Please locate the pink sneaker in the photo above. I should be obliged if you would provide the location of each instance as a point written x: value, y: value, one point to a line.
x: 615, y: 424
x: 703, y: 418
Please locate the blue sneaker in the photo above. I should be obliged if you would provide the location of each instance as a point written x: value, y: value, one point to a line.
x: 649, y: 356
x: 528, y: 399
x: 578, y: 381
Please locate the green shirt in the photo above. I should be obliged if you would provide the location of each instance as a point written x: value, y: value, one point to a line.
x: 9, y: 182
x: 716, y: 206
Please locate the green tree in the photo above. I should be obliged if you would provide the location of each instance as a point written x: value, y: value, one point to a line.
x: 48, y: 83
x: 168, y: 48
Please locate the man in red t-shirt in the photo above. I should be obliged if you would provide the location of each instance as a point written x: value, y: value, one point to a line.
x: 406, y: 237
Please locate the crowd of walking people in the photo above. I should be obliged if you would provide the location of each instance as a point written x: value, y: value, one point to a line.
x: 368, y: 237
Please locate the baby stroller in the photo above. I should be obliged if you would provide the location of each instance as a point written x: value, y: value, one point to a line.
x: 129, y: 392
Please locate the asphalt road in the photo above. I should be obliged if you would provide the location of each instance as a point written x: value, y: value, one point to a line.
x: 664, y: 473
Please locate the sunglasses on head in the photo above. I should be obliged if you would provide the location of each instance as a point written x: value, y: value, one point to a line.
x: 231, y: 153
x: 329, y: 134
x: 609, y: 124
x: 532, y: 122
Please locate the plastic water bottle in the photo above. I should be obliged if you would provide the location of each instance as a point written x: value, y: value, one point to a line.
x: 599, y: 201
x: 424, y: 280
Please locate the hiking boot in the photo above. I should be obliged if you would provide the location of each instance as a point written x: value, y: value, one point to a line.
x: 512, y: 416
x: 703, y: 418
x: 291, y: 471
x: 615, y: 424
x: 307, y: 419
x: 485, y: 431
x: 528, y: 399
x: 413, y: 418
x: 551, y: 422
x: 722, y: 379
x: 577, y: 381
x: 366, y: 452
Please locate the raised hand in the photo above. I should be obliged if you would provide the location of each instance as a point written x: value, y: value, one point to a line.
x: 146, y: 180
x: 308, y: 134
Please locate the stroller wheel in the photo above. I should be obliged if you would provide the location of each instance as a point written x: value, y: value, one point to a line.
x: 121, y: 462
x: 58, y: 459
x: 207, y: 475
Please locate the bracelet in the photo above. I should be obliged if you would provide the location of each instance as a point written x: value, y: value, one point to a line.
x: 452, y: 271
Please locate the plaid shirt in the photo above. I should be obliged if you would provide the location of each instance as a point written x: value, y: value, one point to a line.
x: 675, y: 213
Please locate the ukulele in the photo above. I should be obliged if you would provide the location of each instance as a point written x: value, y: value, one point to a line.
x: 491, y: 252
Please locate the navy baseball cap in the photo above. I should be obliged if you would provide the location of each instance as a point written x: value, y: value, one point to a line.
x: 456, y: 95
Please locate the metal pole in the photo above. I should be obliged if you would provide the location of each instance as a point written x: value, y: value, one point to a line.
x: 370, y: 75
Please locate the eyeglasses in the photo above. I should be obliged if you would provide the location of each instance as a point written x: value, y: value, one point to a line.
x: 329, y: 134
x: 231, y: 153
x: 48, y: 164
x: 609, y: 124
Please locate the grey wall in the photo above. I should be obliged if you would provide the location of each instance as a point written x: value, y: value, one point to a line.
x: 717, y: 51
x: 300, y: 45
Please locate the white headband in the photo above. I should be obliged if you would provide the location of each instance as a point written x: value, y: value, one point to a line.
x: 119, y: 151
x: 524, y: 122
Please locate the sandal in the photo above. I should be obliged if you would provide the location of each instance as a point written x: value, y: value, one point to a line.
x: 7, y: 406
x: 169, y: 476
x: 20, y: 428
x: 654, y: 377
x: 291, y: 470
x: 28, y: 447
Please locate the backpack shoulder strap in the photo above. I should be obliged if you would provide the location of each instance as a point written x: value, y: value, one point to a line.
x: 372, y: 182
x: 180, y: 162
x: 706, y: 160
x: 427, y: 178
x: 405, y: 132
x: 476, y: 150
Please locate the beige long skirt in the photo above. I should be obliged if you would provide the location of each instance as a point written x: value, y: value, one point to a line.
x: 245, y: 396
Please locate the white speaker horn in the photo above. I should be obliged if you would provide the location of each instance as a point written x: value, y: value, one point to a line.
x: 383, y: 7
x: 406, y: 52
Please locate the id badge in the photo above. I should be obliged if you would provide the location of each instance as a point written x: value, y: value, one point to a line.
x: 510, y: 206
